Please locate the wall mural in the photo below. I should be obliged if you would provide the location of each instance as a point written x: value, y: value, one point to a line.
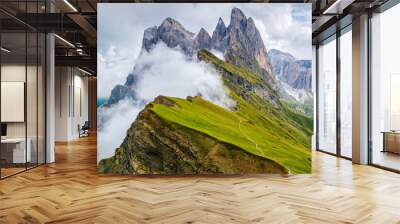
x: 204, y: 88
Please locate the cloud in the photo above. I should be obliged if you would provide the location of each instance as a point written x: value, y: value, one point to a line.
x: 218, y: 54
x: 113, y: 66
x: 114, y: 121
x: 177, y: 76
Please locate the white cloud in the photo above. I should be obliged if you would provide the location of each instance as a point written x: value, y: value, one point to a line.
x: 114, y: 121
x: 218, y: 54
x: 113, y: 67
x: 178, y: 77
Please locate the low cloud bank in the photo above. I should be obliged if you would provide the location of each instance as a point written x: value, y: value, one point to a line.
x: 163, y: 71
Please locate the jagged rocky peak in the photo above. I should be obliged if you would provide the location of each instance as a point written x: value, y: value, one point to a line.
x: 221, y: 25
x: 251, y: 28
x: 220, y: 29
x: 203, y: 34
x: 203, y: 40
x: 219, y: 40
x: 238, y: 18
x: 171, y: 25
x: 172, y: 33
x: 150, y: 38
x: 245, y: 45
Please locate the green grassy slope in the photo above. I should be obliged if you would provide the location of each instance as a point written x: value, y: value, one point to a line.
x: 299, y: 125
x: 236, y: 129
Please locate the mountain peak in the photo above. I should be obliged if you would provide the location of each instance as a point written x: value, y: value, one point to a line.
x: 220, y: 28
x: 237, y: 16
x: 203, y: 35
x: 278, y: 53
x: 221, y: 22
x: 250, y: 21
x: 202, y: 32
x: 203, y: 39
x: 237, y: 12
x: 170, y: 22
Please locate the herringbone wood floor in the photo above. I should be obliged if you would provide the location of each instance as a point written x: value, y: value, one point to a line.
x: 70, y: 191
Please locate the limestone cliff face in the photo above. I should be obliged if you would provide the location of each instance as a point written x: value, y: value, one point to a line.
x: 154, y: 146
x: 246, y: 47
x: 296, y: 73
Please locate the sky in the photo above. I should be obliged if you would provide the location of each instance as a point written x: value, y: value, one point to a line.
x: 286, y: 27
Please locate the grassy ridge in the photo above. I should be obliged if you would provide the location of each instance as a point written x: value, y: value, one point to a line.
x: 233, y: 128
x: 263, y: 127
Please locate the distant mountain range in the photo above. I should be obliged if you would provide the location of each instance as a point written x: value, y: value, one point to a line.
x: 296, y: 73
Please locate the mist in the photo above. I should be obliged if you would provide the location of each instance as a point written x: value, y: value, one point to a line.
x: 218, y: 54
x: 163, y: 71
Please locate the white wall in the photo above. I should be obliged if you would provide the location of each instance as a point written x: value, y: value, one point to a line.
x: 34, y: 125
x: 16, y: 73
x: 71, y: 102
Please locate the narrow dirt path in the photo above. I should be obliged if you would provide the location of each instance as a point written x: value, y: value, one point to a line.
x: 247, y: 137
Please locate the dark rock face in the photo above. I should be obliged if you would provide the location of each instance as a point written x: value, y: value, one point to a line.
x: 153, y: 146
x: 120, y: 92
x: 203, y: 40
x: 218, y: 38
x: 172, y: 33
x: 246, y: 47
x: 131, y: 80
x: 296, y: 73
x: 150, y: 38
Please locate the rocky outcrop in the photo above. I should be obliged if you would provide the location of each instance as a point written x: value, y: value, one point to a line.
x: 245, y: 46
x: 202, y: 40
x: 154, y: 146
x: 172, y: 33
x: 120, y: 92
x: 241, y: 81
x: 296, y: 73
x: 219, y: 42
